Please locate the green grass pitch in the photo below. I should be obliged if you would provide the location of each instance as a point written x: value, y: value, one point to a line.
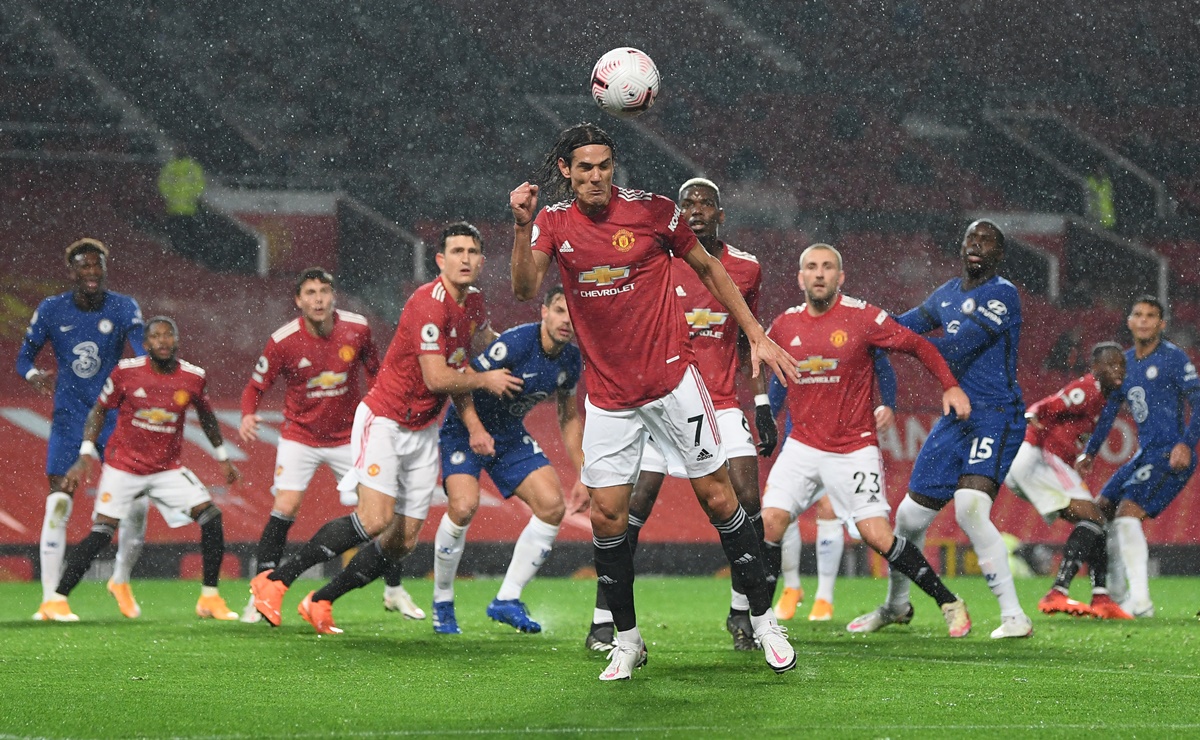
x: 169, y: 674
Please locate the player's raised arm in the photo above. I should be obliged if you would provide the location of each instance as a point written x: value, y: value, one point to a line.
x: 528, y: 267
x: 712, y: 273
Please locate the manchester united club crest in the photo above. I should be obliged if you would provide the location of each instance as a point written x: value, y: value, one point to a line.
x: 181, y: 397
x: 346, y: 353
x: 623, y: 240
x: 838, y: 338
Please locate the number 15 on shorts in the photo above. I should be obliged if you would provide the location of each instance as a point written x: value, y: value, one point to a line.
x: 981, y: 450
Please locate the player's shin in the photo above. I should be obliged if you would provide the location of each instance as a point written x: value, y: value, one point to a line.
x: 54, y: 541
x: 212, y: 544
x: 614, y: 572
x: 1135, y: 555
x: 912, y: 521
x: 906, y: 558
x: 789, y: 558
x: 272, y: 541
x: 83, y: 555
x: 331, y: 540
x: 393, y: 575
x: 448, y: 546
x: 741, y: 546
x: 131, y: 540
x: 973, y: 511
x: 532, y: 549
x: 831, y: 544
x: 367, y: 564
x: 636, y: 523
x: 1085, y: 539
x: 772, y: 553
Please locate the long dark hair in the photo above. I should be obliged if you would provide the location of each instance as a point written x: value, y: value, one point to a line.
x: 547, y: 175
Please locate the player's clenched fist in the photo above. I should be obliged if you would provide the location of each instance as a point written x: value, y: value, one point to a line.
x: 523, y: 202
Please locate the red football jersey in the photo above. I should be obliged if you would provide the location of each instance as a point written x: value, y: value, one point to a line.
x: 431, y: 323
x: 1068, y: 417
x: 831, y: 405
x: 150, y: 407
x: 321, y: 374
x: 714, y: 333
x: 616, y: 271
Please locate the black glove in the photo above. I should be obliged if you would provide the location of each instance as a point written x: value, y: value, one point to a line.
x: 768, y: 434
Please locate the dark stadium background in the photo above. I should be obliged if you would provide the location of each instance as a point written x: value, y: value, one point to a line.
x: 346, y: 134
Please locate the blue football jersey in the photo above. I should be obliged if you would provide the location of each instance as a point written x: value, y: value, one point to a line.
x: 981, y: 331
x: 1155, y: 388
x: 520, y: 350
x: 87, y: 344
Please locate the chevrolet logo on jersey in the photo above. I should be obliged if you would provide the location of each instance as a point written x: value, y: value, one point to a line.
x: 702, y: 318
x: 327, y: 379
x: 156, y: 416
x: 815, y: 365
x: 604, y: 275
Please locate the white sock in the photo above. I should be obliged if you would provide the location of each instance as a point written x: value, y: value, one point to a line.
x: 831, y: 542
x: 209, y: 591
x: 601, y: 616
x: 54, y: 541
x: 631, y: 635
x: 790, y: 556
x: 766, y: 619
x: 447, y: 552
x: 912, y: 521
x: 738, y: 601
x: 1135, y: 554
x: 131, y: 540
x: 973, y: 511
x: 1118, y: 584
x: 531, y: 550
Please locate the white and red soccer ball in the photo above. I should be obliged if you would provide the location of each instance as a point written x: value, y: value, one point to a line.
x: 625, y: 82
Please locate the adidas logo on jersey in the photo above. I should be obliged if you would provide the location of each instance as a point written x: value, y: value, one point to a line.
x: 566, y: 247
x: 704, y: 455
x: 795, y: 342
x: 304, y: 362
x: 679, y: 291
x: 139, y: 393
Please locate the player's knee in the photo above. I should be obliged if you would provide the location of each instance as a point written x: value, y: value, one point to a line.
x: 287, y: 503
x: 461, y: 512
x: 972, y: 509
x: 775, y: 523
x: 550, y: 510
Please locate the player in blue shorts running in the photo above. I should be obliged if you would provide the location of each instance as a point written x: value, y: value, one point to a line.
x: 88, y: 328
x: 1159, y: 378
x: 488, y: 433
x: 965, y: 461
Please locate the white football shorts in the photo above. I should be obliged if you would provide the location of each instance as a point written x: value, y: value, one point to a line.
x: 683, y: 422
x: 853, y: 480
x: 735, y: 435
x: 175, y: 493
x: 296, y: 463
x: 1046, y: 481
x: 393, y: 460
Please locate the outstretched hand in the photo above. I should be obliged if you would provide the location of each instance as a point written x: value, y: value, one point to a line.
x: 781, y: 363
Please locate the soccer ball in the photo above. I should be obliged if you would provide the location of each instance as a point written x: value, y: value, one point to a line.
x: 625, y: 82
